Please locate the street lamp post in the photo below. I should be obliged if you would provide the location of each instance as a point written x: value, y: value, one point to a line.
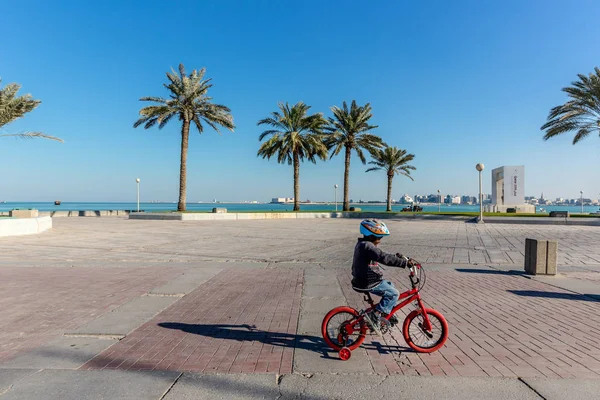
x: 581, y: 193
x: 137, y: 180
x: 335, y: 196
x: 479, y: 168
x: 439, y: 200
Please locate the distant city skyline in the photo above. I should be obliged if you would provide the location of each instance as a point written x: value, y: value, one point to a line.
x: 455, y: 83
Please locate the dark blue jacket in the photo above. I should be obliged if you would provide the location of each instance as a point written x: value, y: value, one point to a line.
x: 365, y: 268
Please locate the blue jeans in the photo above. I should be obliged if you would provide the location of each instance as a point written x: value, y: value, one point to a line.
x: 389, y: 296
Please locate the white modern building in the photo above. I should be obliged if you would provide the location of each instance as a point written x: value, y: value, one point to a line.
x: 508, y: 190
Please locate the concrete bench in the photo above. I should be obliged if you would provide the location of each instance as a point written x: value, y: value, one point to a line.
x: 564, y: 214
x: 355, y: 209
x: 217, y: 210
x: 540, y: 257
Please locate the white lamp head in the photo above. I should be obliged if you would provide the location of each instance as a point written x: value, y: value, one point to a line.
x: 479, y: 167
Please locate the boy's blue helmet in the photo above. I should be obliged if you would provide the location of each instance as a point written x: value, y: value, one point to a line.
x: 372, y: 227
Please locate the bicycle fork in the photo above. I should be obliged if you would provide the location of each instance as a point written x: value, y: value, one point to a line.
x: 425, y: 326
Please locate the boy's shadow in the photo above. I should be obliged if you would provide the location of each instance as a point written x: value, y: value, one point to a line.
x: 250, y: 333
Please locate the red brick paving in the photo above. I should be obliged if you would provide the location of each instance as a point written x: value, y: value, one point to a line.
x: 535, y: 331
x: 238, y: 321
x: 38, y: 304
x: 245, y: 321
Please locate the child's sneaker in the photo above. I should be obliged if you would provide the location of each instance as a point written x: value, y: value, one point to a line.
x: 372, y: 320
x: 393, y: 320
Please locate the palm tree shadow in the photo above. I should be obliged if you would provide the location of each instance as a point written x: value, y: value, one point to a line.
x: 250, y: 333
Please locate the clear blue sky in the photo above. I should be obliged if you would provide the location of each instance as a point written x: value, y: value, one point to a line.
x: 455, y: 83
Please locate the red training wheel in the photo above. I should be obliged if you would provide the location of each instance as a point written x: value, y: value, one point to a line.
x: 345, y: 353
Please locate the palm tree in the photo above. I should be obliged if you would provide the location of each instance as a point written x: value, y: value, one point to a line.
x: 581, y: 113
x: 13, y: 107
x: 393, y: 161
x: 294, y: 136
x: 190, y: 102
x: 349, y: 130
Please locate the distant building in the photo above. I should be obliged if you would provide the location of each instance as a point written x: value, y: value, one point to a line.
x: 282, y: 200
x: 406, y: 199
x: 468, y: 200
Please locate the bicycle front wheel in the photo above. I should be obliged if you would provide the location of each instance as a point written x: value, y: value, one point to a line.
x: 418, y: 338
x: 342, y: 327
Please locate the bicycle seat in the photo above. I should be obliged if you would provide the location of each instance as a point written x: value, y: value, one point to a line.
x: 359, y: 290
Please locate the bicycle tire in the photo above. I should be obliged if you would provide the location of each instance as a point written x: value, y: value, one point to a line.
x: 358, y: 333
x: 410, y: 335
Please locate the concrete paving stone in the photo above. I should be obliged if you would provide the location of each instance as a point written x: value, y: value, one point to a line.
x: 320, y: 306
x: 113, y: 323
x: 325, y: 386
x: 63, y: 353
x: 193, y: 237
x: 319, y: 277
x: 186, y: 282
x: 310, y: 323
x: 91, y: 385
x: 330, y: 292
x: 8, y: 377
x: 314, y: 280
x: 224, y: 387
x: 584, y: 286
x: 308, y: 266
x: 325, y: 360
x: 572, y: 389
x: 127, y: 317
x: 146, y: 304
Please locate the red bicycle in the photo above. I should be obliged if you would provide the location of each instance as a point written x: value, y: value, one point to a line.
x: 425, y: 330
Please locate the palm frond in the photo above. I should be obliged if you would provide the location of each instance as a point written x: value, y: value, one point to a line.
x: 293, y: 132
x: 374, y: 169
x: 189, y: 100
x: 13, y: 107
x: 393, y: 161
x: 32, y: 135
x: 581, y: 114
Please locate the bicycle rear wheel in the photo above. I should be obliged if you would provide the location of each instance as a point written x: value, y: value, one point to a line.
x: 418, y: 338
x: 342, y: 328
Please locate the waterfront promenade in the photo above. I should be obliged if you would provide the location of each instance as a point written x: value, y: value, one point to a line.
x: 117, y: 308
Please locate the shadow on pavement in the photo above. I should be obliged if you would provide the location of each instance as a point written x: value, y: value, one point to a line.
x: 556, y: 295
x: 489, y: 271
x: 250, y: 333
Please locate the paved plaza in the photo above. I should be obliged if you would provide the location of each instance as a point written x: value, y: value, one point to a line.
x: 116, y: 308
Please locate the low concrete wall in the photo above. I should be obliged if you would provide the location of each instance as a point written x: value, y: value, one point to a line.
x: 24, y: 226
x: 290, y: 215
x: 174, y: 216
x: 86, y: 213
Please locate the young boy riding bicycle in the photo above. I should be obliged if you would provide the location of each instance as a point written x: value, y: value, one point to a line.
x: 368, y: 275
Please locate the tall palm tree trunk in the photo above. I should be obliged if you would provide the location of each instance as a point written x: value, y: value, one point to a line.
x: 296, y: 182
x: 185, y: 135
x: 346, y: 206
x: 389, y: 194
